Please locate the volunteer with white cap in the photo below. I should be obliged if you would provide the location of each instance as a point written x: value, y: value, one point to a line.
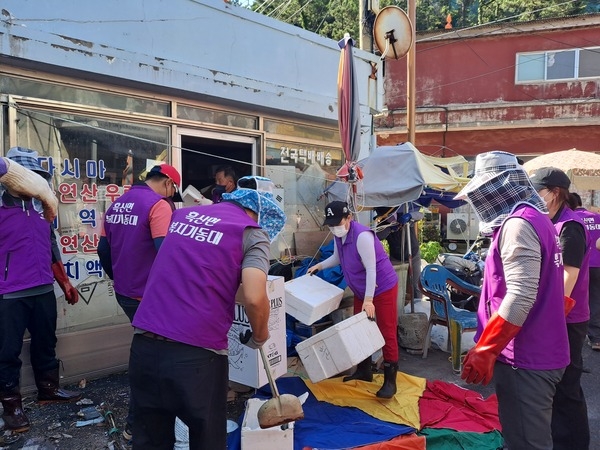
x: 179, y: 365
x: 522, y: 335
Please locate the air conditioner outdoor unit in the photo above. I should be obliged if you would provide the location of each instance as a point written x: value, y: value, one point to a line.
x: 459, y: 226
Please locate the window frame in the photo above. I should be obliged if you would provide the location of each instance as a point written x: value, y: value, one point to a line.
x: 546, y: 54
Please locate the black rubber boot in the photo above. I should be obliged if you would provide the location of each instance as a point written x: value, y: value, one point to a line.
x: 388, y: 390
x: 14, y: 416
x: 363, y: 371
x: 49, y: 390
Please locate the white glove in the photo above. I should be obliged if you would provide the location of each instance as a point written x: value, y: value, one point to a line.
x: 248, y: 339
x: 25, y: 182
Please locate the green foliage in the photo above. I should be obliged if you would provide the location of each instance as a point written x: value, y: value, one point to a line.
x: 429, y: 232
x: 329, y: 18
x: 333, y: 18
x: 430, y: 250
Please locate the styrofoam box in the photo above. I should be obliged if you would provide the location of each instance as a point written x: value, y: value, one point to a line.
x: 309, y: 298
x: 256, y: 438
x: 339, y: 347
x: 245, y: 364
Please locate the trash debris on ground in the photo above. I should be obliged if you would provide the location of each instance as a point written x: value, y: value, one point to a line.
x: 84, y: 423
x: 85, y: 401
x: 89, y: 413
x: 54, y: 426
x: 9, y: 437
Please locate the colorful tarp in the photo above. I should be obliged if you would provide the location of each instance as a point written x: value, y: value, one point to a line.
x: 402, y: 408
x: 440, y: 407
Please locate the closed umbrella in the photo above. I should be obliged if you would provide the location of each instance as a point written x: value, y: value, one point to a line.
x: 582, y: 168
x: 348, y: 111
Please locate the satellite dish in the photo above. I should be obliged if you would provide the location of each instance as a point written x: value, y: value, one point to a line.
x: 393, y: 33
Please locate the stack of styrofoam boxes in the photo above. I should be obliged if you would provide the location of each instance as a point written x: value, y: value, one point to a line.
x: 245, y: 364
x: 256, y: 438
x: 340, y: 347
x: 309, y: 298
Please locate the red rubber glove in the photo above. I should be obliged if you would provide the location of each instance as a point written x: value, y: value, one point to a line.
x: 61, y: 277
x: 478, y: 366
x: 569, y: 305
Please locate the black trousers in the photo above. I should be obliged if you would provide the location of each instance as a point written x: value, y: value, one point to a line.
x: 170, y: 379
x: 594, y: 325
x: 36, y: 314
x: 570, y: 427
x: 129, y: 306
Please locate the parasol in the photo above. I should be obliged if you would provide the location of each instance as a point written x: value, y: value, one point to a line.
x: 582, y: 168
x: 348, y: 111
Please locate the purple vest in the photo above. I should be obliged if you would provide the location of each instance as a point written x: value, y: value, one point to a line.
x: 542, y: 342
x: 190, y: 294
x: 132, y: 250
x: 581, y: 290
x: 354, y: 271
x: 25, y: 249
x: 591, y: 220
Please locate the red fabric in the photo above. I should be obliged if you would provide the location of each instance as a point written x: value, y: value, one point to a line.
x: 404, y: 442
x: 446, y: 405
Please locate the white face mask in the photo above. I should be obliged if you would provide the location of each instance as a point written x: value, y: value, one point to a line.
x: 547, y: 200
x: 339, y: 231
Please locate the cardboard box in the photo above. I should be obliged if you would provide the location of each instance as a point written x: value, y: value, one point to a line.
x: 256, y: 438
x: 310, y: 298
x: 245, y: 364
x: 339, y: 347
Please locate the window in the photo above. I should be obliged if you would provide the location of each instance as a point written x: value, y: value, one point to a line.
x: 558, y: 65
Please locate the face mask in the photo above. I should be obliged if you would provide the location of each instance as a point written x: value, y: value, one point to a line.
x: 339, y: 231
x: 218, y: 191
x: 547, y: 200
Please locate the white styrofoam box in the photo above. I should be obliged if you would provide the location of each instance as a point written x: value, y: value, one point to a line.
x: 256, y: 438
x: 245, y: 364
x: 309, y: 298
x: 340, y: 347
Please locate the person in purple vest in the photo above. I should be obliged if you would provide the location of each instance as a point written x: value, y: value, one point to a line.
x: 570, y: 428
x: 133, y: 230
x: 32, y: 262
x: 178, y: 364
x: 370, y: 275
x: 592, y: 223
x: 521, y: 338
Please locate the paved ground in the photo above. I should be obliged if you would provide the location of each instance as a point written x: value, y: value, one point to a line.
x: 54, y: 426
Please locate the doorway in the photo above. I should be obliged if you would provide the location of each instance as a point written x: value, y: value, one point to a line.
x: 203, y: 152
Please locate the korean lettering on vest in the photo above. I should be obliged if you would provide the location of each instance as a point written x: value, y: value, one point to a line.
x: 197, y: 226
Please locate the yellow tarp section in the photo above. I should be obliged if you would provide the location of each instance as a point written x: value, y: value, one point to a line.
x: 435, y: 178
x: 403, y: 408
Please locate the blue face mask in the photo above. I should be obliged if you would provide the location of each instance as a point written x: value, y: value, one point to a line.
x: 217, y: 192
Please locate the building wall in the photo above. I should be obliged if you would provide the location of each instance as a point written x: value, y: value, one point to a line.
x: 468, y: 101
x: 88, y: 83
x: 209, y: 49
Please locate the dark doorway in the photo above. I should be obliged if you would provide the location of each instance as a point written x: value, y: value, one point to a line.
x: 200, y: 157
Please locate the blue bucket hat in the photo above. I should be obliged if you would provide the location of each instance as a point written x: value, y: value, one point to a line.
x: 28, y: 159
x: 259, y: 199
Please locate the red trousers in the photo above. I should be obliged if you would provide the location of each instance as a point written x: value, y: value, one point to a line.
x: 386, y: 316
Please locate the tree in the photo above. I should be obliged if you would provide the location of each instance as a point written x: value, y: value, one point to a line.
x: 333, y: 18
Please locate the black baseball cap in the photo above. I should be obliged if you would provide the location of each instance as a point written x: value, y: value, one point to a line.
x: 549, y: 177
x: 335, y: 212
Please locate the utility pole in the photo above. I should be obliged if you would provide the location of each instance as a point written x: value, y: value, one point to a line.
x: 410, y: 74
x: 365, y: 40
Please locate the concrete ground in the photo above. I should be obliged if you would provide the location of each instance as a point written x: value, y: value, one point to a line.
x: 54, y: 426
x: 438, y: 367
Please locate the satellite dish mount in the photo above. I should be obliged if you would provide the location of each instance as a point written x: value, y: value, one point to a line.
x: 393, y: 29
